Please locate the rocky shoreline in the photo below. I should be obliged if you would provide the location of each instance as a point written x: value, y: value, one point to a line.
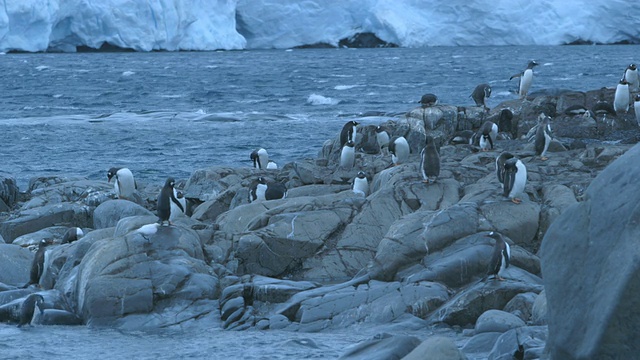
x: 325, y: 258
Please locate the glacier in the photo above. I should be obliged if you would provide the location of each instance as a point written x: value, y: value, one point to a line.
x: 174, y: 25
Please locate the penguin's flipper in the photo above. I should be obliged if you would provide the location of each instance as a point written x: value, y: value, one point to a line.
x: 516, y: 76
x: 175, y: 201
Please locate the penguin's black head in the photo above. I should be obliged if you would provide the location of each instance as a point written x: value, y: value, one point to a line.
x: 45, y: 242
x: 624, y: 81
x: 254, y: 155
x: 361, y: 175
x: 429, y: 140
x: 350, y: 143
x: 637, y: 97
x: 171, y: 182
x: 532, y: 63
x: 428, y: 100
x: 495, y: 235
x: 354, y: 123
x: 632, y: 67
x: 262, y: 180
x: 112, y: 172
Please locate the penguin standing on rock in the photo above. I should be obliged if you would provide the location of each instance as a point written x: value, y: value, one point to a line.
x: 165, y: 198
x: 361, y: 184
x: 260, y: 158
x: 488, y: 134
x: 175, y: 209
x: 515, y: 179
x: 480, y: 95
x: 543, y: 138
x: 500, y: 257
x: 261, y: 190
x: 29, y: 306
x: 631, y: 75
x: 399, y: 149
x: 72, y: 234
x: 382, y: 136
x: 505, y: 121
x: 526, y: 78
x: 428, y: 100
x: 348, y: 155
x: 500, y: 161
x: 348, y: 132
x: 621, y: 97
x: 124, y: 184
x: 37, y: 265
x: 430, y: 161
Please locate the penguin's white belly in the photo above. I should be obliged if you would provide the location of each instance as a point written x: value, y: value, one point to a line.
x: 402, y: 151
x: 547, y: 141
x: 484, y: 144
x: 361, y: 186
x: 175, y: 210
x: 503, y: 263
x: 621, y: 99
x: 520, y: 181
x: 261, y: 189
x: 383, y: 139
x: 347, y: 157
x: 525, y: 82
x: 632, y: 78
x: 124, y: 185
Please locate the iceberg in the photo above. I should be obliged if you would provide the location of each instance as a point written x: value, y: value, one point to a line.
x: 173, y: 25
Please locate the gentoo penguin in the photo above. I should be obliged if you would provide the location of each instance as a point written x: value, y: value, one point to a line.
x: 260, y: 158
x: 500, y: 258
x: 165, y: 198
x: 348, y: 155
x: 175, y: 209
x: 500, y: 160
x: 361, y: 184
x: 382, y: 136
x: 430, y: 161
x: 636, y: 108
x: 631, y: 75
x: 72, y: 234
x: 37, y: 265
x: 526, y: 78
x: 262, y: 190
x: 428, y: 100
x: 271, y: 165
x: 464, y: 137
x: 543, y: 137
x: 399, y: 149
x: 29, y: 306
x: 504, y: 121
x: 488, y: 133
x: 621, y: 97
x: 515, y: 179
x: 480, y: 94
x: 124, y: 184
x: 348, y: 132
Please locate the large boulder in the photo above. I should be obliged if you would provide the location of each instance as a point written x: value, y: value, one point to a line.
x: 15, y: 264
x: 37, y: 218
x: 8, y: 192
x: 590, y: 253
x: 110, y: 212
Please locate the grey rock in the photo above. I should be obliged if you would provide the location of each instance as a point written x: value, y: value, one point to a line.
x: 480, y: 345
x: 590, y: 252
x: 54, y: 190
x: 110, y: 212
x: 539, y: 310
x: 383, y: 347
x: 436, y: 347
x: 31, y: 220
x: 8, y: 191
x: 15, y: 262
x: 497, y: 321
x: 57, y: 317
x: 516, y: 342
x: 55, y: 233
x: 522, y: 305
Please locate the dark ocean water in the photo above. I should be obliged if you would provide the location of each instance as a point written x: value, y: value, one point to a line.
x: 164, y: 114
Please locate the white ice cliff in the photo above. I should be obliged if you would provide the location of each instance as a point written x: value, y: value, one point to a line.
x: 144, y: 25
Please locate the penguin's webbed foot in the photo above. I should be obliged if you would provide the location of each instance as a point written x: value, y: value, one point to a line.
x: 544, y: 158
x: 516, y: 200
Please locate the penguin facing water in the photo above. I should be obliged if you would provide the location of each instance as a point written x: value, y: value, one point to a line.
x: 621, y: 98
x: 37, y: 265
x: 124, y: 184
x: 361, y: 184
x: 500, y: 257
x: 480, y: 95
x: 515, y: 179
x: 165, y: 199
x: 430, y: 161
x: 500, y: 161
x: 33, y: 303
x: 348, y: 132
x: 543, y: 137
x: 348, y: 155
x: 382, y: 136
x: 526, y: 79
x: 428, y: 100
x: 260, y: 158
x: 631, y: 76
x: 399, y: 149
x: 488, y: 134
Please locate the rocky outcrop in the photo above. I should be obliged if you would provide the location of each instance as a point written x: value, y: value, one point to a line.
x: 590, y: 252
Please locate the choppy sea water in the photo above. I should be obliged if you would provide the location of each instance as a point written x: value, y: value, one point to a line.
x: 164, y: 114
